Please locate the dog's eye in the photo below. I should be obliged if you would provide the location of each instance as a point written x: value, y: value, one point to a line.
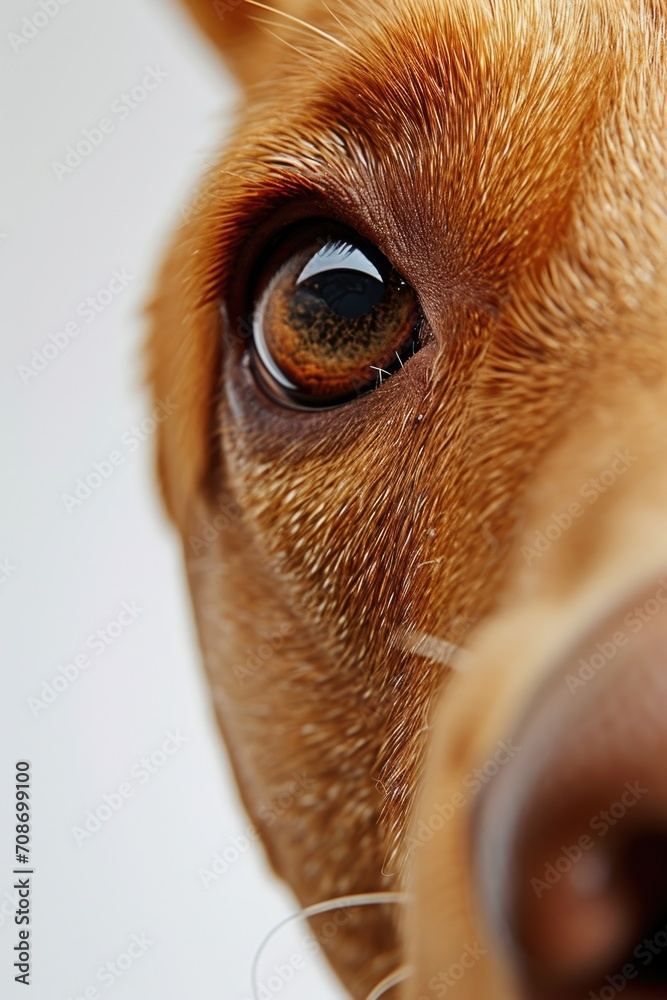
x: 331, y: 319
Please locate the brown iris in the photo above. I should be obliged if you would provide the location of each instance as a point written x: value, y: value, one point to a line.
x: 332, y: 319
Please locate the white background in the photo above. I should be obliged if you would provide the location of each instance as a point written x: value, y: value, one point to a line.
x: 71, y: 571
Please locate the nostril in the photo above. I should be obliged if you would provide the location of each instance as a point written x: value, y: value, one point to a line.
x: 571, y: 835
x: 645, y: 869
x: 592, y: 917
x: 568, y: 916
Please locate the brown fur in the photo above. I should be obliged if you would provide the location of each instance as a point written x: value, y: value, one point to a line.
x: 509, y: 158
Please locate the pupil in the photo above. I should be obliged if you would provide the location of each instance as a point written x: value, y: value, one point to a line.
x: 349, y: 294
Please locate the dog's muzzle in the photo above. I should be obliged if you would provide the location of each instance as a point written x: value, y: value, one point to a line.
x: 571, y: 836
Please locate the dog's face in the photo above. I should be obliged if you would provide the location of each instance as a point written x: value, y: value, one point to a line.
x: 415, y: 335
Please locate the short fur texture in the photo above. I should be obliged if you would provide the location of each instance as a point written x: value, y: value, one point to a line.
x: 509, y: 157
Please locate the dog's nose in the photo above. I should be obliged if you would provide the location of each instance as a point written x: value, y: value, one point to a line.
x: 572, y: 833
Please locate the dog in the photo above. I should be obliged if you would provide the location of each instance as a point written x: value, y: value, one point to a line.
x: 415, y: 335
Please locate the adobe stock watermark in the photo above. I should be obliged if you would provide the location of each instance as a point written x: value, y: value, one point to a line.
x: 599, y: 826
x: 280, y: 975
x: 98, y: 642
x: 284, y: 972
x: 440, y: 985
x: 256, y: 659
x: 223, y: 7
x: 446, y: 651
x: 130, y: 442
x: 606, y: 649
x: 120, y: 110
x: 140, y: 774
x: 110, y: 972
x: 591, y: 491
x: 87, y: 311
x: 198, y: 201
x: 212, y: 527
x: 646, y: 952
x: 7, y: 570
x: 8, y: 906
x: 472, y: 783
x: 32, y: 24
x: 269, y: 813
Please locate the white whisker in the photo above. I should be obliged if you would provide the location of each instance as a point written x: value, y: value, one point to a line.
x: 399, y: 976
x: 335, y: 17
x: 264, y: 22
x: 341, y: 903
x: 304, y: 24
x: 432, y: 648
